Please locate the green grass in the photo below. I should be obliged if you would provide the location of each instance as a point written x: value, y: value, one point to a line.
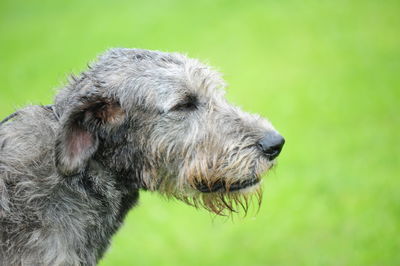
x: 326, y: 73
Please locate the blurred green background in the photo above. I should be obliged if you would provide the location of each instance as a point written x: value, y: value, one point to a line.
x: 326, y: 73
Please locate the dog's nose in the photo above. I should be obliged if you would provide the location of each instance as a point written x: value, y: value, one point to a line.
x: 271, y: 145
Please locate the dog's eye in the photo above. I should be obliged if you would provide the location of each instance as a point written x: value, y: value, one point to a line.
x: 189, y: 105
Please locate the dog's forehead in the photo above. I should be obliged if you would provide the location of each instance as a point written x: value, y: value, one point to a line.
x: 159, y: 78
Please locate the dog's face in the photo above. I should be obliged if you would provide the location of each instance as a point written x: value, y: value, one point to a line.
x: 165, y: 116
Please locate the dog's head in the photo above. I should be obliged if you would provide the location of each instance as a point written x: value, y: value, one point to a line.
x: 162, y: 121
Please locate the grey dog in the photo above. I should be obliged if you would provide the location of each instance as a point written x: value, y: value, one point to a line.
x: 135, y: 120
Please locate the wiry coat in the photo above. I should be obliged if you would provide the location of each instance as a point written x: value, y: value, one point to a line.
x: 134, y: 120
x: 46, y: 218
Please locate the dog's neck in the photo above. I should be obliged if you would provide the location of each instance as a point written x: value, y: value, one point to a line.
x: 111, y: 197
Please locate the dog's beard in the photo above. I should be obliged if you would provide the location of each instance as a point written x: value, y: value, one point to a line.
x: 221, y: 187
x: 227, y: 202
x: 222, y: 196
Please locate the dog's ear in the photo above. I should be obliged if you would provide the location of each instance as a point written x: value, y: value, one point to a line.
x: 78, y: 137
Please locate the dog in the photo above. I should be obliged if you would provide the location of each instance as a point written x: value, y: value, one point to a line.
x: 134, y: 120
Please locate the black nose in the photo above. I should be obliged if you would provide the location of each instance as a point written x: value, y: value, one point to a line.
x: 271, y: 145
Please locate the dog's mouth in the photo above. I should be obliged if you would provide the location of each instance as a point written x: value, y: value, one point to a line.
x: 222, y: 186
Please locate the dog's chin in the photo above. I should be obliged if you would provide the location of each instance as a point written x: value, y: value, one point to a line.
x: 221, y: 186
x: 250, y: 189
x: 242, y: 186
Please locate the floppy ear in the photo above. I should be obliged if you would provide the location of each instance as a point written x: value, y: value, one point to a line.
x: 78, y: 139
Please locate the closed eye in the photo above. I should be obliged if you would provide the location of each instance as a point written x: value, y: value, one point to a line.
x: 184, y: 107
x: 189, y: 105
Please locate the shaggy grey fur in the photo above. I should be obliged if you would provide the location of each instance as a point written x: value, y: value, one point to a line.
x: 136, y: 119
